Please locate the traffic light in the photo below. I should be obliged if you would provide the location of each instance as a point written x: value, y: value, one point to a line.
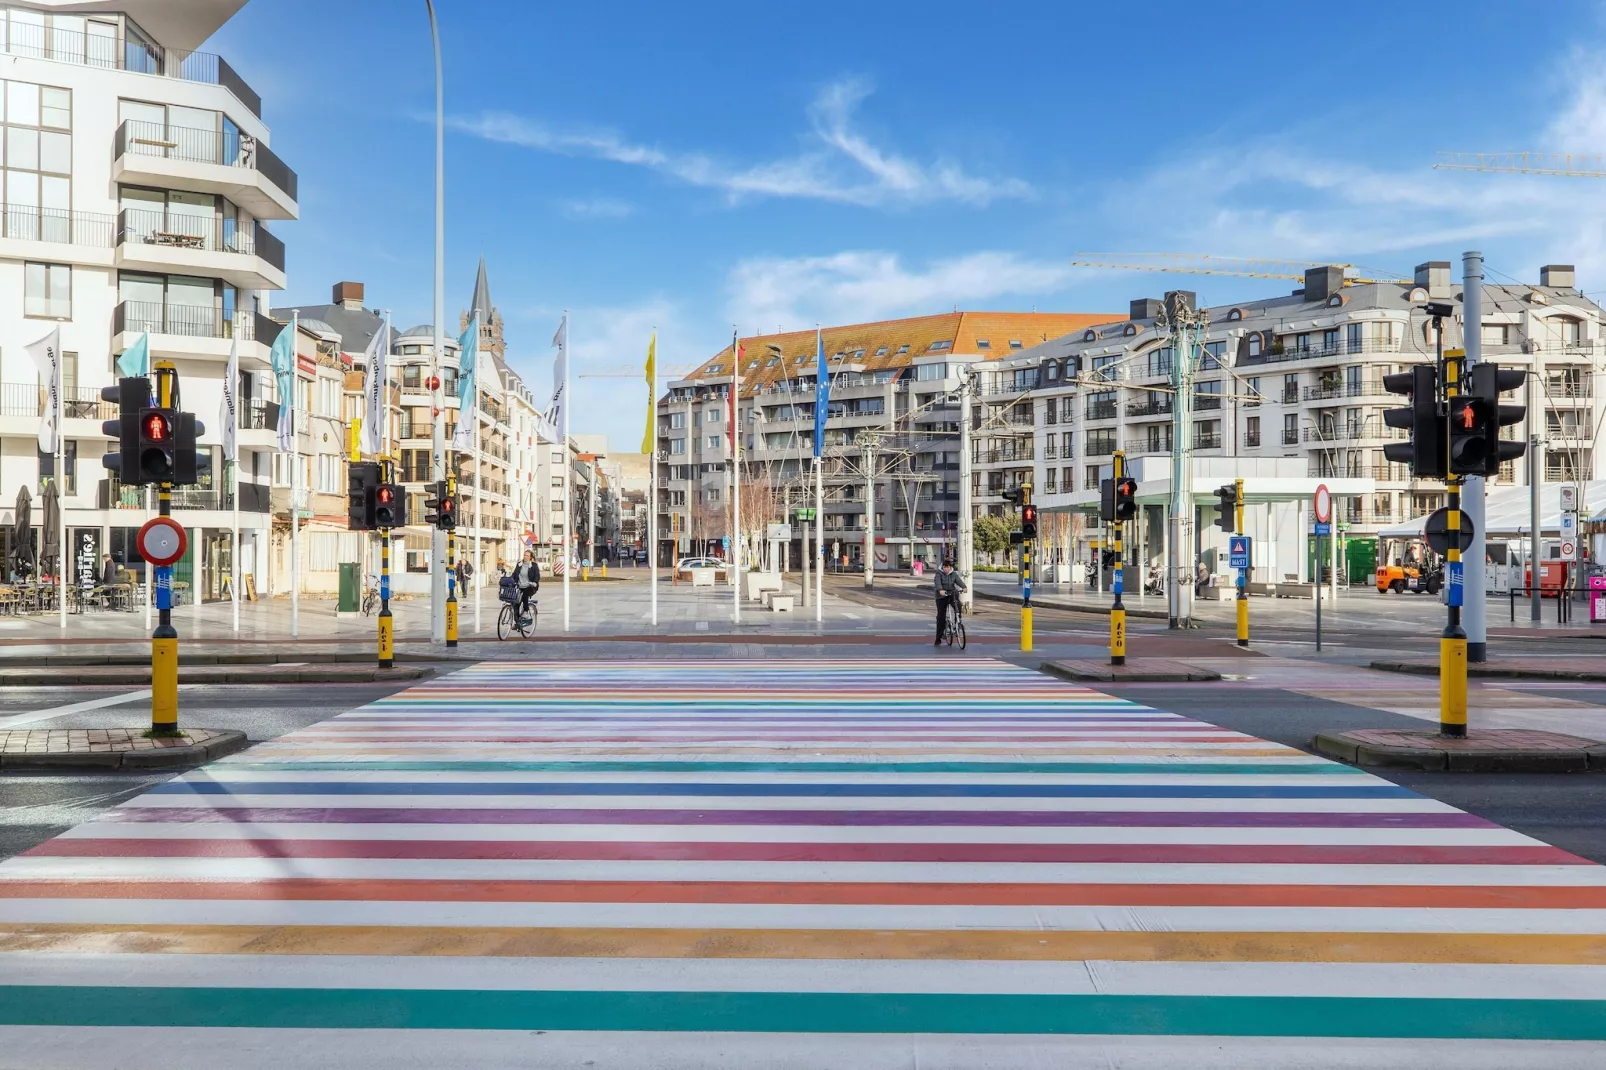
x: 1107, y: 500
x: 1028, y: 521
x: 1015, y: 496
x: 1421, y: 421
x: 157, y: 443
x: 433, y: 496
x: 1470, y: 424
x: 361, y: 477
x: 1227, y: 508
x: 1485, y: 382
x: 1126, y: 499
x: 130, y: 395
x: 390, y: 506
x: 188, y: 461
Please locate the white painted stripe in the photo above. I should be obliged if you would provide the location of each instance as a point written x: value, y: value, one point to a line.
x: 787, y: 916
x: 158, y: 868
x: 75, y: 707
x: 1378, y: 980
x: 228, y: 830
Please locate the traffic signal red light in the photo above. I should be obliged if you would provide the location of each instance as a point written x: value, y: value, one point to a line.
x: 1126, y: 499
x: 386, y: 496
x: 156, y: 428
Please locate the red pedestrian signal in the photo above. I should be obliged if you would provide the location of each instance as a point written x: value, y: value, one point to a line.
x: 157, y: 429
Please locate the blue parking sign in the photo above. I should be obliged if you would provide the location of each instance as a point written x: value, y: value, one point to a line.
x: 1238, y: 551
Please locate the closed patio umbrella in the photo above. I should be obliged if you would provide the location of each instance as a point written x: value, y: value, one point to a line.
x: 22, y: 560
x: 50, y: 540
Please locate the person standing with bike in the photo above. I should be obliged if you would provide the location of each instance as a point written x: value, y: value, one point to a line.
x: 946, y: 584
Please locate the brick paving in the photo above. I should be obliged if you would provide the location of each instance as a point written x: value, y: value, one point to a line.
x: 1515, y: 739
x: 95, y: 740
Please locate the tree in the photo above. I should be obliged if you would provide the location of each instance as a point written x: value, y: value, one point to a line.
x: 990, y: 535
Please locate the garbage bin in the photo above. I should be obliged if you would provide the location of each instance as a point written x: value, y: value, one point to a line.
x: 350, y: 588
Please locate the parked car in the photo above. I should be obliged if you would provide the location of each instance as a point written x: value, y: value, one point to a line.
x: 684, y: 566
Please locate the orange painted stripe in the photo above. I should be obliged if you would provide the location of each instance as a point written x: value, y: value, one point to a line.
x: 789, y: 893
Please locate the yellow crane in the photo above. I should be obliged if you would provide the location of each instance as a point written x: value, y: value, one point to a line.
x: 1563, y: 164
x: 1207, y: 264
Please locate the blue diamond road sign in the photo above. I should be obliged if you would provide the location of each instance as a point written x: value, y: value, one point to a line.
x: 1238, y: 555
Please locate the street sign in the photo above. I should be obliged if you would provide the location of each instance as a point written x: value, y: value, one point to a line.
x: 1567, y: 550
x: 1569, y: 496
x: 162, y: 540
x: 782, y: 532
x: 1437, y: 531
x: 1238, y: 551
x: 1324, y: 504
x: 805, y: 514
x: 1569, y: 526
x: 1321, y: 527
x: 1454, y: 588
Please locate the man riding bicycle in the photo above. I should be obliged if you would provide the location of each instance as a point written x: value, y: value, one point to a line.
x: 946, y: 584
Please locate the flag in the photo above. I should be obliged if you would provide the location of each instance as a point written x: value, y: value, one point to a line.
x: 556, y: 415
x: 822, y: 392
x: 649, y: 437
x: 373, y: 390
x: 135, y: 363
x: 283, y: 359
x: 46, y: 354
x: 228, y: 412
x: 468, y: 389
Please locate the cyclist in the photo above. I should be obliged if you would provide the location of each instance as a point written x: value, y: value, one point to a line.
x: 527, y: 575
x: 946, y: 585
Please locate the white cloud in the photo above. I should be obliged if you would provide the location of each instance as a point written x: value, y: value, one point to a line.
x: 596, y: 208
x: 843, y: 166
x: 859, y: 286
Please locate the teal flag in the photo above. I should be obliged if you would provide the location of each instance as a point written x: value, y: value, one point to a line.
x: 468, y: 391
x: 283, y: 358
x: 135, y: 363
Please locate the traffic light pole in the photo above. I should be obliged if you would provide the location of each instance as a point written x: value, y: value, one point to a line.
x: 1026, y: 577
x: 1117, y: 609
x: 164, y: 640
x: 1243, y: 573
x: 387, y: 626
x: 451, y: 567
x: 1453, y: 643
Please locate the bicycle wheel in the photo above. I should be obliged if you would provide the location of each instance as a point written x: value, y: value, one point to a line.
x: 504, y: 621
x: 949, y: 630
x: 959, y: 626
x: 518, y: 621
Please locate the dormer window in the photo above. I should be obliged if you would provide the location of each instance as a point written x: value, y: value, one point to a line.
x: 1014, y: 343
x: 1235, y: 315
x: 939, y: 346
x: 981, y: 343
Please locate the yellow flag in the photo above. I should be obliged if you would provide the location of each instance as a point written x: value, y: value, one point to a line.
x: 649, y: 437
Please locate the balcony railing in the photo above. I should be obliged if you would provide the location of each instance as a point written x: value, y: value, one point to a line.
x: 192, y: 321
x: 1569, y: 388
x: 1251, y: 438
x: 1206, y: 402
x: 1148, y: 445
x: 129, y: 54
x: 28, y: 223
x: 254, y: 497
x: 1207, y: 440
x: 1290, y: 436
x: 136, y: 226
x: 1101, y: 410
x: 1329, y: 391
x: 1160, y: 406
x: 1386, y: 473
x: 1290, y: 395
x: 78, y: 403
x: 1338, y: 349
x: 197, y: 145
x: 1352, y: 433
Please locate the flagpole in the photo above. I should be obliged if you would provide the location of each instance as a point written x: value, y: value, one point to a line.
x: 820, y: 373
x: 234, y: 551
x: 568, y: 496
x: 652, y: 484
x: 734, y: 565
x: 61, y: 502
x: 479, y: 477
x: 295, y: 483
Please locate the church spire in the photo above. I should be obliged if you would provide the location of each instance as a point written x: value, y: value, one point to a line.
x: 482, y: 295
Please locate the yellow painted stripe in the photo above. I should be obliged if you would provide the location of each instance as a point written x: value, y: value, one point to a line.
x: 1531, y: 949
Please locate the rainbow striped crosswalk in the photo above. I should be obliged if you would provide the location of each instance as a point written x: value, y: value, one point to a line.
x: 801, y: 857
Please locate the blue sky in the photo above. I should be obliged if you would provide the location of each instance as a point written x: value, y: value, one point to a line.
x: 691, y: 166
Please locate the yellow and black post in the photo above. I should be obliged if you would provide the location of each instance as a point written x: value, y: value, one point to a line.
x: 1453, y: 643
x: 1117, y: 534
x: 1243, y: 573
x: 451, y: 565
x: 1026, y: 571
x: 387, y: 626
x: 164, y: 640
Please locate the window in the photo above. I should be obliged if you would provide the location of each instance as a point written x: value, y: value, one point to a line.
x: 1050, y: 485
x: 881, y: 352
x: 69, y: 466
x: 1253, y: 384
x: 1254, y: 345
x: 1014, y: 343
x: 1352, y: 337
x: 677, y: 420
x: 937, y: 347
x: 1252, y: 431
x: 927, y: 372
x: 714, y: 369
x: 713, y: 442
x: 903, y: 348
x: 1091, y: 479
x: 1053, y: 371
x: 1101, y: 442
x: 677, y: 447
x: 1067, y: 409
x: 981, y: 343
x: 1067, y: 443
x: 47, y: 291
x: 1330, y: 340
x: 1495, y: 334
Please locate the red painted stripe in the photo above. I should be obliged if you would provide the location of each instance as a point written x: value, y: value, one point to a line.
x: 802, y: 893
x: 468, y: 733
x: 616, y: 851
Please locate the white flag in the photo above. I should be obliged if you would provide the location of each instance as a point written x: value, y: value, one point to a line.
x: 556, y: 413
x: 373, y: 391
x: 46, y: 354
x: 228, y: 413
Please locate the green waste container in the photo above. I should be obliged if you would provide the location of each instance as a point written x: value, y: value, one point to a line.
x: 350, y: 587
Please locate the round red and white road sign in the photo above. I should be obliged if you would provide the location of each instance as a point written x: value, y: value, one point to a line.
x: 1567, y: 549
x: 1324, y: 504
x: 162, y: 540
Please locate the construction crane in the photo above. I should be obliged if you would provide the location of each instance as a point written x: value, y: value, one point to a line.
x: 1562, y: 164
x: 1206, y: 264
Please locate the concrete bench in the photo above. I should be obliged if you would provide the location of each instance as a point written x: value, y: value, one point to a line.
x: 1295, y: 590
x: 780, y: 603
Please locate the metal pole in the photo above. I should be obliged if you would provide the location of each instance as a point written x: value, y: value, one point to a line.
x: 819, y: 539
x: 295, y: 483
x: 1242, y: 607
x: 652, y: 488
x: 733, y: 567
x: 437, y: 549
x: 1535, y: 541
x: 164, y: 640
x: 1025, y: 575
x: 61, y: 510
x: 965, y: 529
x: 1453, y: 642
x: 234, y: 545
x: 1117, y: 608
x: 869, y: 512
x: 1473, y: 487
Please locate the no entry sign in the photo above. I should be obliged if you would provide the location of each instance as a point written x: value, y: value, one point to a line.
x: 162, y: 540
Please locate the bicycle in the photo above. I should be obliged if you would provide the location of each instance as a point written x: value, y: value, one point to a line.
x: 509, y: 619
x: 954, y: 625
x: 370, y: 598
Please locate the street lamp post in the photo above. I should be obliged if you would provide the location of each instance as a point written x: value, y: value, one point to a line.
x: 437, y: 445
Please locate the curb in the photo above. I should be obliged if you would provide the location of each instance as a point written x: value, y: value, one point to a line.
x: 1133, y: 672
x: 337, y: 657
x: 167, y: 758
x: 213, y: 674
x: 1587, y: 756
x: 1492, y: 672
x: 1069, y: 607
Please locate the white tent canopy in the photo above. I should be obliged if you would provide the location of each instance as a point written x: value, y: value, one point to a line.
x: 1506, y: 512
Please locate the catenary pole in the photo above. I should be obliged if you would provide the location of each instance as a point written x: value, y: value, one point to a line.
x: 1474, y: 617
x: 437, y: 445
x: 295, y: 483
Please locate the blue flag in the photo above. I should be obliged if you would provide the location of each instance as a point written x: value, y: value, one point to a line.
x: 135, y: 363
x: 822, y: 393
x: 283, y: 358
x: 468, y: 392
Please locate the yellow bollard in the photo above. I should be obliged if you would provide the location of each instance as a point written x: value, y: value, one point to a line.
x: 1026, y: 628
x: 1117, y: 637
x: 451, y: 622
x: 387, y: 640
x: 1453, y: 686
x: 1243, y: 621
x: 164, y: 687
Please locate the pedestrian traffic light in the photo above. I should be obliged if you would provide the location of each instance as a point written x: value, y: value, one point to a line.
x: 1028, y: 521
x: 434, y: 494
x: 1486, y: 382
x: 1014, y: 496
x: 130, y: 395
x: 1424, y: 448
x: 156, y: 444
x: 1126, y: 499
x: 1227, y: 508
x: 390, y: 506
x: 1470, y: 424
x: 189, y: 462
x: 361, y: 478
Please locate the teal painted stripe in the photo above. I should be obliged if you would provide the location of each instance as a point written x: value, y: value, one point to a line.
x: 804, y: 1012
x: 1316, y: 767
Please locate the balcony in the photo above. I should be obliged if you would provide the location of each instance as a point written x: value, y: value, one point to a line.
x: 1324, y: 468
x: 1332, y: 391
x: 254, y: 497
x: 1290, y: 395
x: 200, y: 331
x: 1142, y: 446
x: 1207, y: 440
x: 1290, y: 436
x: 1206, y: 402
x: 1251, y: 439
x: 1353, y: 433
x: 1280, y: 354
x: 170, y: 242
x: 1101, y: 410
x: 233, y: 165
x: 79, y: 402
x: 96, y: 50
x: 1153, y: 406
x: 30, y: 228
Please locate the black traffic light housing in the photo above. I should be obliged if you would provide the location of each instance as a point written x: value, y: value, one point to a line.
x: 434, y: 496
x: 361, y: 478
x: 1227, y: 508
x: 189, y: 462
x: 390, y: 506
x: 1107, y: 500
x: 1421, y: 420
x: 1028, y: 521
x: 158, y: 436
x: 130, y: 395
x: 1485, y: 383
x: 1126, y: 499
x: 1015, y: 496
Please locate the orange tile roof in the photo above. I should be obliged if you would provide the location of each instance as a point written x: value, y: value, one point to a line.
x: 903, y: 341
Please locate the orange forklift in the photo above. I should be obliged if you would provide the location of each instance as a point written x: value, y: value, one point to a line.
x: 1408, y: 564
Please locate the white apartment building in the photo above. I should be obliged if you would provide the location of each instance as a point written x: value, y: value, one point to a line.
x: 138, y: 185
x: 1300, y: 378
